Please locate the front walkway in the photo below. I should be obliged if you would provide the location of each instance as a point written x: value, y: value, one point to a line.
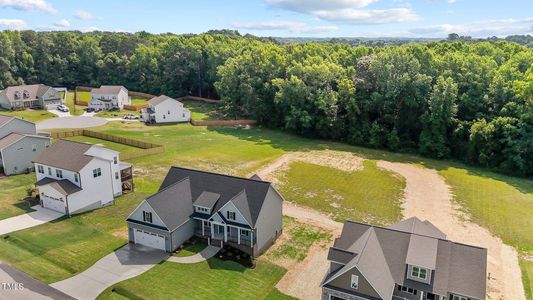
x: 39, y: 216
x: 207, y: 253
x: 127, y: 262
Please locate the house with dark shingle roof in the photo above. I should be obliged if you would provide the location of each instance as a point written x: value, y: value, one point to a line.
x: 109, y: 97
x: 19, y: 145
x: 163, y: 109
x: 30, y: 96
x: 410, y: 260
x: 245, y: 213
x: 75, y: 177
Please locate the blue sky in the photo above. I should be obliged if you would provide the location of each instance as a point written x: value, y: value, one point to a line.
x: 284, y: 18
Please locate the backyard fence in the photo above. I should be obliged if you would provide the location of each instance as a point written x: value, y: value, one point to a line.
x: 134, y: 108
x: 146, y: 148
x: 197, y: 99
x: 223, y: 122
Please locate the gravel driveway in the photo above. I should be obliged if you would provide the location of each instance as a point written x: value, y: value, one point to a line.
x: 71, y: 122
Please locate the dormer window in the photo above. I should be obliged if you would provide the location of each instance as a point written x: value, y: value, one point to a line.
x: 17, y: 95
x: 202, y: 210
x: 419, y: 273
x: 26, y: 94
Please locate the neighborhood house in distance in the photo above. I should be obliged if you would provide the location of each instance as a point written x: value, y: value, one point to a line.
x: 109, y: 97
x: 225, y: 210
x: 164, y: 109
x: 407, y: 260
x: 74, y: 177
x: 19, y: 145
x: 30, y: 96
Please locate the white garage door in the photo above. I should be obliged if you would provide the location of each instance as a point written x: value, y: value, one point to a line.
x: 54, y: 204
x: 149, y: 239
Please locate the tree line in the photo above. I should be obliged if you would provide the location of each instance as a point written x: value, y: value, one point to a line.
x: 461, y: 99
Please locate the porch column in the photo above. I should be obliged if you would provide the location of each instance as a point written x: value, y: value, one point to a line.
x: 203, y: 229
x: 225, y: 233
x: 252, y: 237
x: 421, y: 295
x: 212, y: 231
x: 238, y: 236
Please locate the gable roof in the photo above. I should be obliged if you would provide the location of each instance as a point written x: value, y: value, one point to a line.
x: 228, y: 187
x: 458, y: 268
x: 108, y: 89
x: 10, y: 139
x: 5, y: 119
x: 173, y: 204
x: 207, y: 199
x: 63, y: 186
x: 415, y: 225
x: 65, y: 154
x: 35, y: 91
x: 160, y: 99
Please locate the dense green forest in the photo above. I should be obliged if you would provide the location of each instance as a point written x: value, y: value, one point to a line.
x: 463, y: 99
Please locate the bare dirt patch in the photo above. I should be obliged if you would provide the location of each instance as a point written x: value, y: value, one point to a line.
x: 428, y: 197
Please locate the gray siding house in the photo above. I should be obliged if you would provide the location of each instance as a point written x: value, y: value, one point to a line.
x: 409, y: 260
x: 30, y: 96
x: 245, y: 213
x: 19, y: 145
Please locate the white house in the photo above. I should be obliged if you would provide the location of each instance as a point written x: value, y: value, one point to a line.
x: 109, y: 97
x: 74, y: 177
x: 30, y: 96
x: 19, y: 145
x: 164, y: 109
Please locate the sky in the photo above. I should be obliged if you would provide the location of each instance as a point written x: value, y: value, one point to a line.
x: 279, y: 18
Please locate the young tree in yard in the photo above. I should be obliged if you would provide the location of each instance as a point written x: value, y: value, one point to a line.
x: 438, y: 118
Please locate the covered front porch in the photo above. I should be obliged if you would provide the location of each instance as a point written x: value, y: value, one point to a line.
x: 219, y: 234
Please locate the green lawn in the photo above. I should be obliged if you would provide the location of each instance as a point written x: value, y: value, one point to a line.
x: 191, y: 249
x: 75, y: 110
x: 368, y: 195
x: 139, y: 101
x: 201, y: 111
x: 33, y: 115
x: 213, y: 279
x: 108, y: 144
x: 84, y: 96
x: 301, y: 238
x: 65, y: 247
x: 13, y: 192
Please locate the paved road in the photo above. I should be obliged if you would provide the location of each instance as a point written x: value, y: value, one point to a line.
x: 127, y: 262
x: 71, y: 122
x: 60, y: 114
x: 30, y: 288
x: 207, y: 253
x: 39, y: 216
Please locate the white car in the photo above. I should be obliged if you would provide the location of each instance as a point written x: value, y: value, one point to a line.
x: 62, y: 108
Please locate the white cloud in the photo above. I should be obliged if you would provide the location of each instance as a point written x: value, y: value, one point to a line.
x: 485, y: 28
x: 347, y: 11
x: 91, y: 29
x: 63, y: 23
x: 84, y: 15
x: 13, y: 24
x: 295, y: 27
x: 26, y: 5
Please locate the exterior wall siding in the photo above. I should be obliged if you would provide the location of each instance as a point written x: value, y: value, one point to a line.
x: 270, y: 222
x: 182, y: 234
x: 138, y: 214
x: 17, y: 158
x: 4, y: 102
x: 171, y: 111
x: 343, y: 282
x: 327, y: 293
x: 18, y: 126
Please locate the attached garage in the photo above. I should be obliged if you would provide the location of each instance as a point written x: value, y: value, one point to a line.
x: 56, y: 194
x: 149, y: 239
x: 54, y: 204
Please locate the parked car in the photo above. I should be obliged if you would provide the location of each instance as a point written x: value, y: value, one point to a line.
x: 62, y: 108
x: 89, y: 109
x: 130, y: 117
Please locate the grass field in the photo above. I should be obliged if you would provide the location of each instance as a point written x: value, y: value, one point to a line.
x: 369, y: 195
x: 75, y: 110
x: 84, y: 96
x: 33, y: 115
x: 108, y: 144
x: 191, y: 249
x: 213, y: 279
x: 202, y: 111
x: 13, y: 191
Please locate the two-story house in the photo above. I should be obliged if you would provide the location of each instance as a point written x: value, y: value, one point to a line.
x: 409, y: 260
x: 164, y: 109
x: 109, y: 97
x: 74, y: 177
x: 19, y: 145
x: 245, y: 213
x: 30, y: 96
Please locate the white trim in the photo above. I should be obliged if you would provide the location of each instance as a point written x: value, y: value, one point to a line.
x: 236, y: 208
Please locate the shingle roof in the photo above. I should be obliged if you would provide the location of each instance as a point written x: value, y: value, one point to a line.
x: 63, y: 186
x: 35, y: 91
x: 10, y: 139
x: 159, y: 99
x: 108, y: 89
x: 5, y: 119
x: 207, y: 199
x: 458, y: 268
x: 67, y: 155
x: 228, y: 187
x: 173, y: 204
x: 415, y: 225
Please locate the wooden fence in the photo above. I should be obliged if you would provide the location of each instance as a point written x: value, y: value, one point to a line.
x: 146, y: 148
x: 223, y: 122
x: 134, y: 108
x: 197, y: 99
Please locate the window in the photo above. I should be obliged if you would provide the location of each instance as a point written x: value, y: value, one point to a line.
x: 230, y: 215
x: 147, y: 216
x: 164, y: 117
x: 33, y: 148
x: 76, y: 178
x: 355, y: 282
x: 406, y: 289
x: 245, y: 232
x: 169, y: 112
x: 49, y: 171
x: 97, y: 172
x: 59, y: 173
x: 40, y: 169
x: 116, y: 175
x: 202, y: 209
x: 184, y: 115
x: 419, y: 273
x: 455, y: 297
x: 115, y: 160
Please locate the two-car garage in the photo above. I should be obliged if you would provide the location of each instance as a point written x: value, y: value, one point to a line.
x: 149, y: 239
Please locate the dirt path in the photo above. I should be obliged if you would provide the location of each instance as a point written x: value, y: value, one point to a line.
x: 429, y: 198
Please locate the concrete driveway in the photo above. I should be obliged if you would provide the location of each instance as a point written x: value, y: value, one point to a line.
x: 39, y: 216
x: 71, y: 122
x: 20, y: 285
x: 127, y: 262
x: 60, y: 114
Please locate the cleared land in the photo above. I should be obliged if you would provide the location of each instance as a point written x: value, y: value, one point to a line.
x: 33, y: 115
x: 122, y: 148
